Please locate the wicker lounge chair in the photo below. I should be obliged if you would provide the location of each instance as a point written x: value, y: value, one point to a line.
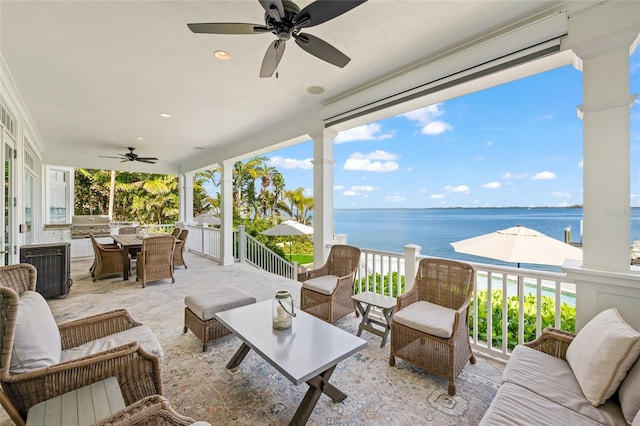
x: 107, y: 259
x: 155, y: 261
x: 178, y: 251
x: 442, y: 291
x: 137, y: 371
x: 326, y: 292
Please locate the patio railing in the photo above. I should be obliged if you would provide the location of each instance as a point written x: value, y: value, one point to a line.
x: 513, y: 305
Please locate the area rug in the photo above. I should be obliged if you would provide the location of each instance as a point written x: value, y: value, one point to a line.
x: 198, y: 384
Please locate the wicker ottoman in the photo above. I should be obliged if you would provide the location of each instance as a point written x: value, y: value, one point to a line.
x: 200, y: 309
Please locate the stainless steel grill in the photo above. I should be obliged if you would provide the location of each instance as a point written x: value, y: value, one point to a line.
x: 83, y: 226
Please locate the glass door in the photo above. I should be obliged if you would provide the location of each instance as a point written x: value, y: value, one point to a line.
x: 7, y: 248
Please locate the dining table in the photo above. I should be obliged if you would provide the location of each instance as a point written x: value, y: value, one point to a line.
x: 129, y: 243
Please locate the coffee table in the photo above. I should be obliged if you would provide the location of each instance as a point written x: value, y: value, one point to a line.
x: 307, y: 352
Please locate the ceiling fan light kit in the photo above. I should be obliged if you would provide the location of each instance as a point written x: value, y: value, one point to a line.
x: 285, y: 20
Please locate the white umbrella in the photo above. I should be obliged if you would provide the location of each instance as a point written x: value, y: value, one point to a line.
x: 288, y: 228
x: 519, y: 245
x: 206, y: 218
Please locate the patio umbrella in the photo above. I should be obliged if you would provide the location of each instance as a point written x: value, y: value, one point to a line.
x: 288, y: 228
x: 206, y: 218
x: 519, y: 245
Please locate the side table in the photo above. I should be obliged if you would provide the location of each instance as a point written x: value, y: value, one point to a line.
x: 81, y: 407
x: 364, y: 302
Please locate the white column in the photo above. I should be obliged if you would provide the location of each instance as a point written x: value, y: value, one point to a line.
x: 226, y: 196
x: 605, y: 279
x: 605, y: 115
x: 322, y: 194
x: 188, y: 197
x: 411, y: 253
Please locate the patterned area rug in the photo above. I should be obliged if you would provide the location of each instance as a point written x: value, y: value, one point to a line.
x: 198, y: 384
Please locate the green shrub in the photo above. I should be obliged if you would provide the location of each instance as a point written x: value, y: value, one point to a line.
x: 548, y: 311
x: 381, y: 284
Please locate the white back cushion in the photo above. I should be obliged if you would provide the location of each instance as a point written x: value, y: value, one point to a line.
x: 36, y: 343
x: 602, y: 353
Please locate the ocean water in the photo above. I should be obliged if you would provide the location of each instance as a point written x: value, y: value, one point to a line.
x: 434, y: 229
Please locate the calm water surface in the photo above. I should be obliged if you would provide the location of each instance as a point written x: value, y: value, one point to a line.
x: 434, y: 229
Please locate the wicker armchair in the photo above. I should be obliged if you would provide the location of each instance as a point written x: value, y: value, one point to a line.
x: 107, y: 260
x: 176, y: 232
x: 441, y: 293
x: 137, y: 371
x: 326, y: 292
x: 155, y: 261
x: 178, y: 251
x: 152, y: 411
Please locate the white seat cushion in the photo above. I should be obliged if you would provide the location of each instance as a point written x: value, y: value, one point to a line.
x: 427, y: 317
x: 206, y: 305
x: 629, y: 393
x: 325, y: 284
x: 602, y: 353
x: 141, y: 334
x: 36, y: 342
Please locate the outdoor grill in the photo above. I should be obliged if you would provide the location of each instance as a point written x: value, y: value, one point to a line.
x: 82, y: 226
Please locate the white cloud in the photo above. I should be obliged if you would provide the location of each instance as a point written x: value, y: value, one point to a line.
x: 491, y: 185
x: 545, y: 117
x: 436, y: 128
x: 437, y: 196
x: 426, y: 119
x: 460, y: 188
x: 409, y: 169
x: 349, y: 193
x: 377, y: 161
x: 363, y: 188
x: 367, y: 132
x: 291, y: 163
x: 395, y: 198
x: 546, y: 175
x: 561, y: 194
x: 338, y: 187
x: 489, y: 144
x: 581, y: 164
x: 509, y: 175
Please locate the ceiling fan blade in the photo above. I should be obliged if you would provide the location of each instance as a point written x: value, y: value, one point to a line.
x: 323, y: 10
x: 322, y: 50
x: 147, y: 160
x: 274, y: 8
x: 108, y: 156
x: 272, y: 58
x: 228, y: 28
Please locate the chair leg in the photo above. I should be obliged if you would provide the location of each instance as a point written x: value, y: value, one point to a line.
x: 452, y: 388
x: 392, y: 360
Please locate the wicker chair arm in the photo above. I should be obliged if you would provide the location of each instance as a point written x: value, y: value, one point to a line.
x: 460, y: 318
x: 154, y: 410
x: 553, y: 342
x: 319, y: 272
x: 78, y: 332
x: 137, y: 371
x: 405, y: 299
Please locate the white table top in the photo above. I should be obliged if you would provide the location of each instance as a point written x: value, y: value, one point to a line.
x: 375, y: 299
x: 301, y: 352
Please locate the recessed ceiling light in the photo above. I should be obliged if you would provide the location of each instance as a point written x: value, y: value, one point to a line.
x: 315, y: 90
x: 165, y: 115
x: 140, y: 138
x: 222, y: 55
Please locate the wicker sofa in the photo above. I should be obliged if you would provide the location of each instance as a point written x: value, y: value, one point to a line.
x: 539, y: 387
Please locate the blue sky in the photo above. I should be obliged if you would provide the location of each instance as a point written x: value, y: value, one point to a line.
x: 519, y: 144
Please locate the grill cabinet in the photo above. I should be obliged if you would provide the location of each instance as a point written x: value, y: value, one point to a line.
x: 53, y: 264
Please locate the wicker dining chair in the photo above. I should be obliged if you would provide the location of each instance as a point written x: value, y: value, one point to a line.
x: 152, y: 411
x: 137, y: 370
x: 178, y: 251
x: 107, y: 259
x: 430, y: 327
x: 326, y: 291
x: 155, y: 261
x: 127, y: 230
x: 176, y: 232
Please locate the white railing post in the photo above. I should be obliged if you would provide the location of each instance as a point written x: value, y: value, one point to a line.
x: 411, y: 253
x: 242, y: 244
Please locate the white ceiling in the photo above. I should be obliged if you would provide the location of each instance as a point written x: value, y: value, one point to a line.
x: 95, y: 75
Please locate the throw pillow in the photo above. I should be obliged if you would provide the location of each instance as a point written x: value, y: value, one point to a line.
x: 36, y: 341
x: 602, y: 353
x: 629, y: 393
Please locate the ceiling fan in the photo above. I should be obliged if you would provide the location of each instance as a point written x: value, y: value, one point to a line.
x: 285, y: 19
x: 131, y: 156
